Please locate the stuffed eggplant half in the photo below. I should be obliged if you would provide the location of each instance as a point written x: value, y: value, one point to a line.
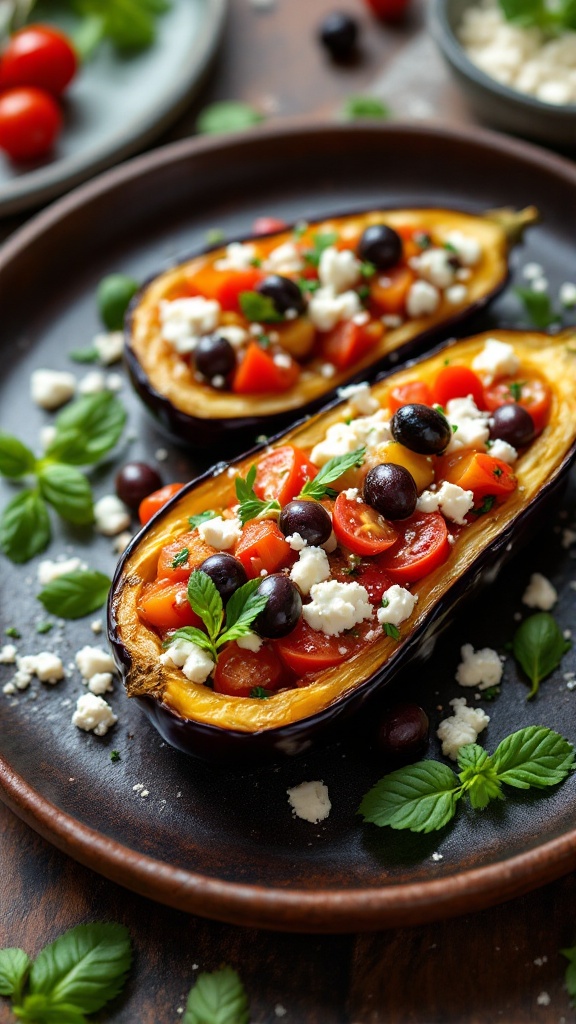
x: 247, y: 335
x: 272, y: 597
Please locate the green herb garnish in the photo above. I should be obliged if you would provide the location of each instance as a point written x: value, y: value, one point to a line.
x: 252, y: 507
x: 391, y: 631
x: 515, y: 389
x: 358, y: 107
x: 202, y: 517
x: 423, y: 797
x: 570, y: 975
x: 487, y: 504
x: 217, y: 998
x: 551, y: 18
x: 260, y: 693
x: 180, y: 559
x: 259, y: 308
x: 308, y: 285
x: 84, y: 355
x: 113, y: 297
x: 214, y: 236
x: 333, y: 470
x: 538, y: 307
x: 538, y: 646
x: 12, y: 632
x: 115, y: 756
x: 227, y: 116
x: 221, y: 627
x: 44, y: 627
x: 75, y: 594
x: 320, y: 241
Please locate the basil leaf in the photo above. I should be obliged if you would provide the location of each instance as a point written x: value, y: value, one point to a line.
x: 86, y: 966
x: 84, y: 355
x: 242, y: 608
x: 42, y: 1009
x: 113, y: 297
x: 478, y: 776
x: 421, y: 797
x: 202, y: 517
x: 15, y: 458
x: 259, y: 308
x: 538, y: 307
x: 331, y: 471
x: 217, y: 998
x: 87, y: 429
x: 25, y: 527
x: 358, y: 107
x: 75, y: 594
x: 570, y: 975
x: 534, y: 756
x: 538, y: 645
x: 252, y: 507
x: 227, y: 116
x: 14, y: 966
x: 206, y: 602
x: 194, y: 636
x: 68, y: 491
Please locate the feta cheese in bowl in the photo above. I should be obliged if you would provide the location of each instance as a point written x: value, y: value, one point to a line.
x: 516, y: 78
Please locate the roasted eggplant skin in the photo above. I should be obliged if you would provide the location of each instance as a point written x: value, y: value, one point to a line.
x: 206, y: 417
x: 243, y: 730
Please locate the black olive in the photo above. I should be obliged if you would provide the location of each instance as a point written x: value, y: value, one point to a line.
x: 284, y: 292
x: 514, y: 424
x: 214, y: 356
x: 338, y: 32
x: 381, y: 246
x: 391, y: 490
x: 283, y: 609
x: 402, y: 734
x: 421, y: 429
x: 308, y: 518
x: 226, y: 573
x: 135, y: 481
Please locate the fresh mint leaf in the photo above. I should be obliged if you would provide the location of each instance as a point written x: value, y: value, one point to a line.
x: 84, y: 968
x: 217, y: 998
x: 252, y: 507
x: 331, y: 471
x: 538, y: 646
x: 42, y: 1009
x: 534, y: 756
x: 259, y: 308
x: 75, y: 594
x: 570, y: 975
x: 478, y: 776
x: 421, y: 797
x: 193, y: 636
x: 227, y: 116
x: 113, y: 297
x: 14, y: 967
x: 206, y: 602
x: 68, y: 491
x: 358, y: 107
x: 538, y: 307
x: 202, y: 517
x: 15, y: 458
x: 87, y: 429
x: 84, y: 355
x: 242, y: 608
x: 25, y: 526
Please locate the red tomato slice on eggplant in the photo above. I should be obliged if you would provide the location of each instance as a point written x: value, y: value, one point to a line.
x: 532, y: 393
x: 239, y: 671
x: 307, y: 650
x: 262, y: 546
x: 259, y: 374
x: 414, y: 392
x: 282, y: 473
x: 457, y: 382
x: 181, y: 556
x: 155, y: 501
x: 164, y: 604
x: 360, y: 528
x: 421, y: 547
x: 348, y: 342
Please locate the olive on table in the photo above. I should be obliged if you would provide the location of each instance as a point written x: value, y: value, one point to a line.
x: 283, y: 608
x: 338, y: 32
x: 514, y: 424
x: 421, y: 429
x: 283, y: 292
x: 214, y: 356
x: 402, y: 733
x: 391, y: 490
x: 308, y: 518
x: 226, y: 572
x: 380, y: 245
x: 135, y: 481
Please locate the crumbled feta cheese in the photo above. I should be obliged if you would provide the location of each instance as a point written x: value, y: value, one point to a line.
x: 111, y: 515
x: 423, y: 299
x: 284, y: 259
x: 283, y: 360
x: 121, y: 542
x: 91, y: 661
x: 312, y: 567
x: 540, y: 593
x: 452, y: 501
x: 505, y: 452
x: 327, y: 370
x: 472, y: 427
x: 310, y: 801
x: 351, y: 493
x: 296, y: 541
x: 397, y: 605
x: 92, y: 383
x: 110, y: 347
x: 326, y: 309
x: 342, y: 438
x: 93, y: 714
x: 8, y: 655
x: 435, y: 266
x: 532, y: 270
x: 336, y: 607
x: 250, y: 642
x: 239, y: 256
x: 52, y: 388
x: 481, y: 668
x: 338, y: 269
x: 47, y: 667
x: 540, y: 284
x: 100, y: 683
x: 464, y: 726
x: 196, y: 664
x: 96, y: 626
x: 392, y: 320
x: 184, y: 321
x: 567, y: 294
x: 466, y: 248
x: 49, y: 570
x: 497, y: 359
x: 220, y: 533
x: 544, y: 999
x: 236, y: 335
x: 359, y: 398
x: 568, y: 538
x: 456, y: 294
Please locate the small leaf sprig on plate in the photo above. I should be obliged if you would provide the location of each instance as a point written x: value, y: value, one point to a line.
x: 218, y: 997
x: 221, y: 627
x: 538, y: 646
x: 551, y: 18
x: 86, y: 430
x: 423, y: 797
x: 76, y: 594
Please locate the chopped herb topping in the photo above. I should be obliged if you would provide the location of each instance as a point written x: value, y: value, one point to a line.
x: 391, y: 631
x: 252, y: 507
x: 259, y: 308
x: 259, y: 692
x: 515, y: 389
x: 333, y: 470
x: 321, y: 241
x: 44, y: 627
x: 84, y: 355
x: 202, y: 517
x: 180, y: 559
x: 12, y: 632
x: 487, y: 504
x: 115, y: 756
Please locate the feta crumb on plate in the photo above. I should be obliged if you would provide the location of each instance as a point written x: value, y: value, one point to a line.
x: 481, y: 668
x: 93, y: 714
x: 91, y: 661
x: 111, y: 515
x: 49, y: 570
x: 464, y: 726
x: 540, y: 593
x: 110, y: 347
x: 50, y: 389
x: 310, y: 801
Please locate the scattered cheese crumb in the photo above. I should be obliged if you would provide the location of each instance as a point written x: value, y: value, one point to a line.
x: 400, y: 604
x: 121, y: 542
x: 463, y: 726
x: 312, y: 567
x: 220, y: 533
x: 540, y: 593
x: 111, y: 515
x: 8, y: 655
x: 47, y: 667
x: 96, y: 626
x: 497, y: 359
x: 50, y: 389
x: 110, y: 347
x: 93, y: 714
x: 543, y: 999
x: 481, y: 668
x: 336, y: 607
x: 91, y: 661
x: 100, y: 683
x: 359, y: 398
x: 310, y: 801
x: 437, y: 856
x: 49, y: 571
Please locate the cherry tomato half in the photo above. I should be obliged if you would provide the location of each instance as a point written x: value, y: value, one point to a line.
x: 30, y: 120
x: 40, y: 56
x: 422, y: 546
x: 413, y: 392
x: 388, y: 10
x: 360, y: 528
x: 457, y: 382
x: 268, y: 225
x: 282, y: 473
x: 239, y: 671
x: 155, y: 501
x: 164, y: 604
x: 532, y: 393
x: 307, y: 650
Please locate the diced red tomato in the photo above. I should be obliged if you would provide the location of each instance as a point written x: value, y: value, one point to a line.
x: 360, y: 528
x: 282, y: 473
x: 155, y: 501
x: 307, y: 650
x: 421, y: 547
x: 480, y: 473
x: 258, y: 373
x: 232, y: 284
x: 413, y: 392
x: 373, y: 579
x: 348, y: 342
x: 457, y: 382
x: 238, y: 671
x: 535, y: 396
x: 197, y: 549
x: 267, y: 225
x: 390, y: 289
x: 262, y: 546
x: 164, y: 605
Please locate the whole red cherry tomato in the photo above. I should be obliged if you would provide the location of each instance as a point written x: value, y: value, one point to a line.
x: 388, y: 10
x: 30, y: 120
x: 41, y: 56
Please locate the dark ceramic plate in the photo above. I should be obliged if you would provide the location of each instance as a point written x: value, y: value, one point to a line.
x: 119, y: 102
x: 220, y: 843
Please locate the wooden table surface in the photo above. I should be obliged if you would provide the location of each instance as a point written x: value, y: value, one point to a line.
x: 500, y: 965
